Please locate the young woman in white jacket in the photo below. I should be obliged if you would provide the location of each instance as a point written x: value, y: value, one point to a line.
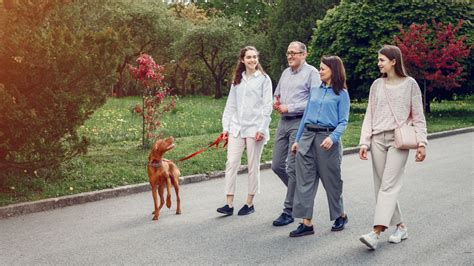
x: 245, y: 122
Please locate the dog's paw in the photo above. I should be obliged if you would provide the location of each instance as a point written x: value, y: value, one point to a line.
x: 168, y: 202
x: 155, y: 218
x: 178, y: 211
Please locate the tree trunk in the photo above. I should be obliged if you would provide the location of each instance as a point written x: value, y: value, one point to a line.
x: 428, y: 107
x: 218, y: 93
x: 143, y: 121
x: 424, y: 96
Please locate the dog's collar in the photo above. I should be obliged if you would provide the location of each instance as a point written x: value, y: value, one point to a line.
x: 155, y: 163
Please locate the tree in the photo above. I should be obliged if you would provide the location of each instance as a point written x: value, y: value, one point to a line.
x: 215, y: 44
x: 183, y: 66
x: 52, y: 78
x: 254, y: 14
x: 156, y: 99
x: 434, y: 56
x: 356, y: 30
x: 143, y: 27
x: 292, y: 21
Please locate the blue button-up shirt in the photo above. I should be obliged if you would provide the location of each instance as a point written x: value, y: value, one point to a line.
x: 326, y: 109
x: 294, y: 87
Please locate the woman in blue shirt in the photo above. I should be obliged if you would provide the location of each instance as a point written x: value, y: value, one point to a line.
x: 318, y: 148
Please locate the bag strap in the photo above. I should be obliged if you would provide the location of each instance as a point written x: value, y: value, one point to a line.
x: 390, y: 105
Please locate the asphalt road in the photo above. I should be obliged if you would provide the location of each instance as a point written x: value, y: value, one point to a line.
x: 436, y: 200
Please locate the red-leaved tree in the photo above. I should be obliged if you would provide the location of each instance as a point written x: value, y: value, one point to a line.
x: 156, y: 98
x: 433, y: 56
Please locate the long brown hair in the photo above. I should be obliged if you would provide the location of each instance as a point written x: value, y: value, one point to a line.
x: 338, y: 77
x: 241, y: 66
x: 393, y: 52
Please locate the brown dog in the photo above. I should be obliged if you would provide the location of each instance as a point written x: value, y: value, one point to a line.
x: 161, y: 173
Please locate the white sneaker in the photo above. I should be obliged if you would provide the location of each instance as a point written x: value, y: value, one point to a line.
x: 371, y: 239
x: 399, y: 235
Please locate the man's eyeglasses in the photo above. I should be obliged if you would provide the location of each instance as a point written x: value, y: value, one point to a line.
x: 293, y: 53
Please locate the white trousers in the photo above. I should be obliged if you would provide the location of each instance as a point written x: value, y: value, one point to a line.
x: 235, y: 149
x: 388, y: 165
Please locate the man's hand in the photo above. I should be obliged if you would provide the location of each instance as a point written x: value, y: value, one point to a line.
x: 282, y: 108
x: 276, y: 103
x: 258, y: 136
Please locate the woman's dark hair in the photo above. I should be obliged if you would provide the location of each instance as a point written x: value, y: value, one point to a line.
x: 393, y: 52
x: 338, y: 77
x: 241, y: 66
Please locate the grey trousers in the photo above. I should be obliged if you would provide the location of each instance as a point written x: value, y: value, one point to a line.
x: 283, y: 161
x: 312, y: 164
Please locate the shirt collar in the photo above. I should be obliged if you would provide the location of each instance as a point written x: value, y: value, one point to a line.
x: 299, y: 68
x: 254, y: 75
x: 324, y: 86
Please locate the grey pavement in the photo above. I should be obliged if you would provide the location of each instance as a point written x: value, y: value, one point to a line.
x: 436, y: 200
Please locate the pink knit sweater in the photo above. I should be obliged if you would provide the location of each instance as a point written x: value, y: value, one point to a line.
x: 406, y: 102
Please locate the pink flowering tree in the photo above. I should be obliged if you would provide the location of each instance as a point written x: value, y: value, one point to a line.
x: 435, y: 56
x: 156, y: 98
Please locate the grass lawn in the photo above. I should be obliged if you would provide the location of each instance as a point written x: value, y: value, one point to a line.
x: 115, y: 159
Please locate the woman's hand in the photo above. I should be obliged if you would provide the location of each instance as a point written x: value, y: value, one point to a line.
x: 326, y: 144
x: 420, y: 154
x: 294, y: 148
x: 225, y: 135
x: 363, y: 153
x: 258, y: 136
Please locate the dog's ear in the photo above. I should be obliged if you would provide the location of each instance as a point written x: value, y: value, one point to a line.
x: 156, y: 145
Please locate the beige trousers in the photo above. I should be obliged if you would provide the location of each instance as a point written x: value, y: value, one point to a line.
x: 235, y: 148
x: 388, y: 165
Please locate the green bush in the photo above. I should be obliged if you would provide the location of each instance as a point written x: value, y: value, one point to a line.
x: 356, y: 30
x: 55, y: 71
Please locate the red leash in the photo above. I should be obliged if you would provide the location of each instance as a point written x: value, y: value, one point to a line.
x: 215, y: 143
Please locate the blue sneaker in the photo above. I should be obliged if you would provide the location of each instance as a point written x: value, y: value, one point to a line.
x: 226, y: 210
x: 246, y: 210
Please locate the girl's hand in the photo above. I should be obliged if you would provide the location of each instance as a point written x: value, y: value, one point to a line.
x: 294, y: 148
x: 420, y: 154
x: 363, y: 153
x: 258, y: 136
x: 225, y: 135
x: 327, y: 143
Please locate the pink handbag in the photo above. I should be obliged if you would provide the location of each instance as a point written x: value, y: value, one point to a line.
x: 405, y: 135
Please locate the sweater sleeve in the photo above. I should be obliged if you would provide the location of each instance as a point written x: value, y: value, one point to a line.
x: 416, y: 109
x: 366, y: 131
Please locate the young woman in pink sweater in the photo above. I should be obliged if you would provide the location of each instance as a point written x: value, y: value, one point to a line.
x: 388, y: 163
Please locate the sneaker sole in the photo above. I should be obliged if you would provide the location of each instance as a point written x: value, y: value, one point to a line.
x: 303, y: 234
x: 396, y: 242
x: 243, y: 214
x: 367, y: 243
x: 226, y: 213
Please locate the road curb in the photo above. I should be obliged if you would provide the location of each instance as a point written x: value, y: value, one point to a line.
x: 59, y: 202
